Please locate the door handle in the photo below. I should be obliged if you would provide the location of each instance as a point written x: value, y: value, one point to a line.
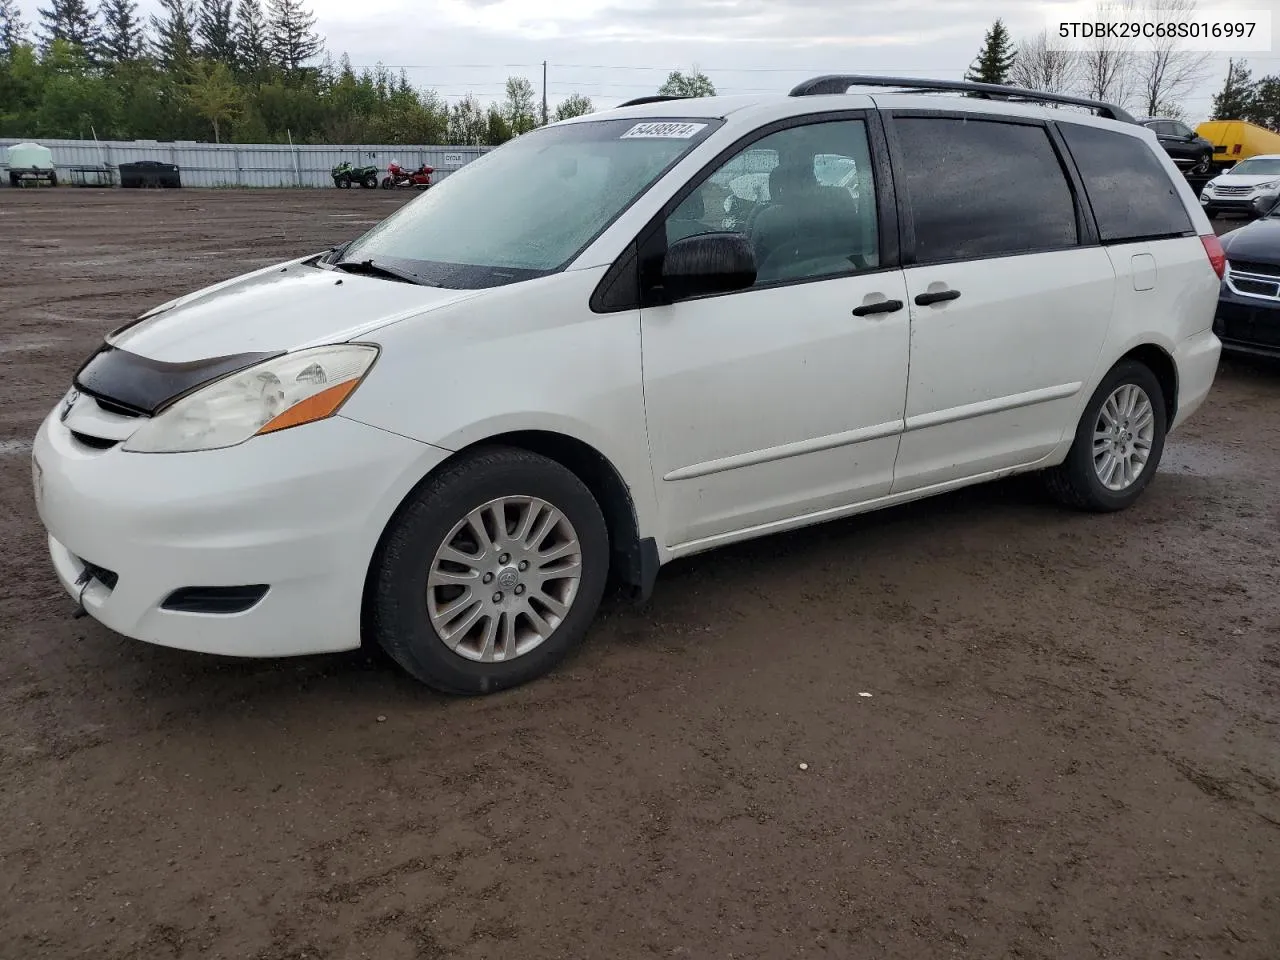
x: 882, y: 306
x: 924, y: 299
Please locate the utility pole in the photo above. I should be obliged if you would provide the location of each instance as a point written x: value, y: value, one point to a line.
x: 544, y: 93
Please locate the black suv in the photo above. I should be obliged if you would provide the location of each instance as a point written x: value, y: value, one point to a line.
x: 1193, y: 154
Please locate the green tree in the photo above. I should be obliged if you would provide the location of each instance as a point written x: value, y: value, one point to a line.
x: 497, y: 129
x: 173, y: 41
x: 1265, y: 108
x: 13, y: 29
x: 574, y: 106
x: 121, y: 38
x: 213, y: 93
x: 69, y: 20
x: 694, y: 84
x: 291, y: 37
x: 250, y: 34
x: 995, y: 59
x: 468, y: 125
x: 1236, y: 97
x: 518, y: 108
x: 215, y: 31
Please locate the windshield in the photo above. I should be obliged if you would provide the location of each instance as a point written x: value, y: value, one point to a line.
x: 1257, y: 167
x: 529, y: 207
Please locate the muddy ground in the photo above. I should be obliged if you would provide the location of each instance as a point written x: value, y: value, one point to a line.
x: 1069, y: 751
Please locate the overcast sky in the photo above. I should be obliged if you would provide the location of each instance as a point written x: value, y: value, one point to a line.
x: 614, y: 49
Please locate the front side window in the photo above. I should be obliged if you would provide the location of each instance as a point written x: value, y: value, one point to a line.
x: 805, y: 197
x: 1132, y: 195
x: 981, y: 188
x: 527, y: 208
x: 1181, y: 130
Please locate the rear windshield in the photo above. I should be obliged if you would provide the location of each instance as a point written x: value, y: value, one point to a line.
x: 530, y: 206
x: 1257, y: 166
x: 1132, y: 194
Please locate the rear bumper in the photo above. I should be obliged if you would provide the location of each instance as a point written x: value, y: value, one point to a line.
x: 1197, y: 362
x: 1248, y: 325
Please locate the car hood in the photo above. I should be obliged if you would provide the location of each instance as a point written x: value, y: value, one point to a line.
x: 1259, y: 242
x: 1244, y: 180
x: 283, y: 307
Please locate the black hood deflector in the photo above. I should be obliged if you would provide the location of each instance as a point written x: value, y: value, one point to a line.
x: 148, y: 386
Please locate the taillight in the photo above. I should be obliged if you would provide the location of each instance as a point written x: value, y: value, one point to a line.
x: 1217, y: 257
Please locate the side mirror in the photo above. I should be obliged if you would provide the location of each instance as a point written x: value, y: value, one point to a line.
x: 708, y: 263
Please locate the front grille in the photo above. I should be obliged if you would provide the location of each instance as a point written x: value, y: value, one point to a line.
x: 97, y: 443
x: 1261, y: 269
x: 1249, y: 284
x: 1233, y: 191
x: 214, y: 599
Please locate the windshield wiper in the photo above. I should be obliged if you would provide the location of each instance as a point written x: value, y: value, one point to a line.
x: 370, y: 269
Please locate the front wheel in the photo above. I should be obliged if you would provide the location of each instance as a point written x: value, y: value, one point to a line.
x: 490, y: 573
x: 1201, y: 168
x: 1118, y: 442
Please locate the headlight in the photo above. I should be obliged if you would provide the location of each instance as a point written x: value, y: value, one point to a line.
x: 288, y: 391
x: 1211, y: 183
x: 1269, y: 185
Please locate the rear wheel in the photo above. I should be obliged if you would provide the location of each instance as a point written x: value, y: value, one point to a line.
x: 1118, y: 442
x: 386, y: 183
x: 490, y: 573
x: 370, y: 182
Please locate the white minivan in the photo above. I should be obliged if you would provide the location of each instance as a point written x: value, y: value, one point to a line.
x: 570, y: 360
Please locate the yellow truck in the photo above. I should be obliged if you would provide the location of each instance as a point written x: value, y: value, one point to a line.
x: 1236, y: 140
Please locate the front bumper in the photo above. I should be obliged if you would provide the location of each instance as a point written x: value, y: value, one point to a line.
x: 1247, y: 325
x: 300, y: 511
x: 1254, y: 206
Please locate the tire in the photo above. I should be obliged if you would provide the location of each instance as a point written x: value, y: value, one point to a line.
x: 1076, y: 481
x: 345, y: 183
x: 386, y: 183
x: 370, y: 182
x: 53, y: 179
x: 402, y: 601
x: 13, y: 180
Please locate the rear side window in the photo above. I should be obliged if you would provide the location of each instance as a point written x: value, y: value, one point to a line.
x: 982, y: 188
x: 1132, y: 196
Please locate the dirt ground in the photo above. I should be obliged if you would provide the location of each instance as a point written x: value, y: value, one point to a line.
x: 1028, y: 733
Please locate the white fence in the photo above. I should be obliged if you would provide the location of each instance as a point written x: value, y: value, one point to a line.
x: 244, y: 164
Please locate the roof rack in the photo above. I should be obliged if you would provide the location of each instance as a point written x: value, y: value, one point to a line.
x: 840, y: 83
x: 657, y: 98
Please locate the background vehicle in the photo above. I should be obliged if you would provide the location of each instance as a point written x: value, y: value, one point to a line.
x: 1237, y: 140
x: 561, y: 367
x: 398, y: 176
x: 1192, y: 153
x: 1251, y: 187
x: 344, y: 175
x: 1248, y: 319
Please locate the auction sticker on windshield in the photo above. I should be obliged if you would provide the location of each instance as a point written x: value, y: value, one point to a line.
x: 665, y: 131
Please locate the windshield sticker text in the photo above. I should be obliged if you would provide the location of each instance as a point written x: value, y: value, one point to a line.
x: 665, y: 131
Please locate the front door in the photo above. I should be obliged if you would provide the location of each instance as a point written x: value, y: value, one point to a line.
x: 785, y: 399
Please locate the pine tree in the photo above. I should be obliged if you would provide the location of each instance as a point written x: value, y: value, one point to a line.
x: 1265, y: 108
x: 996, y: 57
x: 291, y: 36
x: 1236, y: 97
x: 215, y: 31
x: 173, y: 34
x: 250, y: 34
x: 13, y: 30
x: 68, y: 20
x: 121, y: 39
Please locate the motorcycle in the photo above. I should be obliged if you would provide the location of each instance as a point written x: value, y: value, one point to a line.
x: 398, y: 176
x: 344, y: 175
